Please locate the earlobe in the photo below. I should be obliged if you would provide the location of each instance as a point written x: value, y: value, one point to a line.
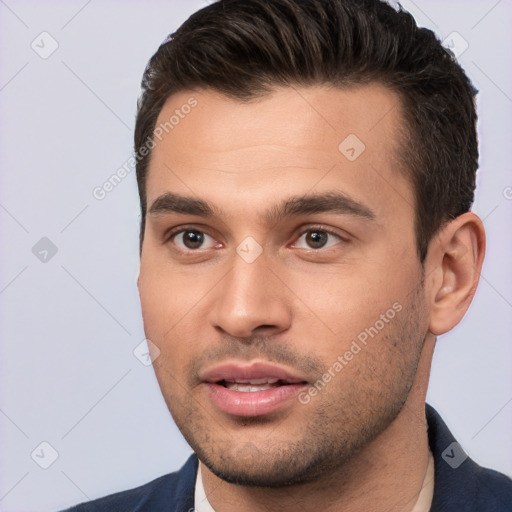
x: 453, y: 265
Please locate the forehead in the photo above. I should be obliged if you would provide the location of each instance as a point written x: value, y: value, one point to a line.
x: 292, y: 141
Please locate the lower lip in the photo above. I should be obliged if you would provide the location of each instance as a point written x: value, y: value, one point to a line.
x: 253, y: 403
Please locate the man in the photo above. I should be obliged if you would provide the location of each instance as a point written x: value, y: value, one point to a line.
x: 306, y: 170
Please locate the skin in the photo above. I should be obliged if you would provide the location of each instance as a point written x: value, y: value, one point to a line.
x: 361, y: 442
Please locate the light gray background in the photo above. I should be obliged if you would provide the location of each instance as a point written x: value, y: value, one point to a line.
x: 69, y: 325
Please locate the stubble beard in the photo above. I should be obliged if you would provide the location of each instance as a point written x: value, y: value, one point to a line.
x: 337, y: 427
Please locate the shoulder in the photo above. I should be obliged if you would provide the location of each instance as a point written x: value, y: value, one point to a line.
x: 460, y: 483
x: 494, y: 491
x: 174, y: 491
x: 473, y: 489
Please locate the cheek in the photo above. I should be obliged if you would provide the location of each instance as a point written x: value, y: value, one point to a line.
x: 344, y: 303
x: 353, y: 313
x: 156, y: 304
x: 173, y: 309
x: 165, y: 296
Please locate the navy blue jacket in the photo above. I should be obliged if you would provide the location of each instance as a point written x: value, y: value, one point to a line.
x: 460, y: 484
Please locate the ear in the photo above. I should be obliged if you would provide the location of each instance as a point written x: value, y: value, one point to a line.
x: 452, y: 270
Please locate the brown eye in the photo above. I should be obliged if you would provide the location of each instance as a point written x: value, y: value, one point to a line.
x: 317, y: 239
x: 190, y: 239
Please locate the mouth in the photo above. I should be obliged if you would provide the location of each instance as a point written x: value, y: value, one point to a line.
x: 241, y: 389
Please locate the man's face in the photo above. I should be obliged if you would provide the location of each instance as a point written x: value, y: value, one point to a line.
x: 279, y: 277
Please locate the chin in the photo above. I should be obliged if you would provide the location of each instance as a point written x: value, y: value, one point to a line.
x: 262, y: 476
x: 282, y: 464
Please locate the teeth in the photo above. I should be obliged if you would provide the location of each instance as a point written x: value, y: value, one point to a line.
x: 255, y: 382
x: 245, y: 388
x: 251, y: 386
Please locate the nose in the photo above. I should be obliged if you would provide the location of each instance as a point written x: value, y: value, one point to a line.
x: 250, y: 300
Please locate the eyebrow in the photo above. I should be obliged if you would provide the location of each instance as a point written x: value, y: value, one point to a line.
x: 330, y: 202
x: 174, y: 203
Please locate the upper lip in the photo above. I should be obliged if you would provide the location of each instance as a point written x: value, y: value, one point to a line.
x: 243, y: 371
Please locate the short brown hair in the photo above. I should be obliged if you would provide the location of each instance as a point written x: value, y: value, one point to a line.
x: 244, y: 48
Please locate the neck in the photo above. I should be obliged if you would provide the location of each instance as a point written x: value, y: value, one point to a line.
x: 388, y: 474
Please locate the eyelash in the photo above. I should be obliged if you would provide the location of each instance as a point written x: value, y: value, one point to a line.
x: 173, y: 233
